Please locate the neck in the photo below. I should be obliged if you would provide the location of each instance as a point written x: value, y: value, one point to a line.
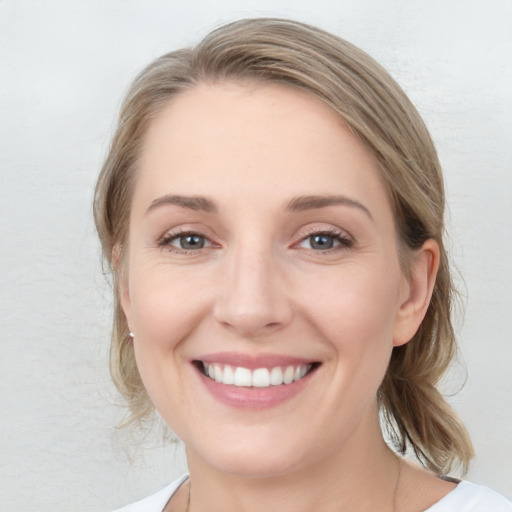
x: 361, y: 475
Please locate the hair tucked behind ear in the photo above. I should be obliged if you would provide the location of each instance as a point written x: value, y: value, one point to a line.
x: 416, y: 413
x: 376, y: 109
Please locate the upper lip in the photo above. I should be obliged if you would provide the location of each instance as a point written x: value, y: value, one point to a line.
x: 253, y: 361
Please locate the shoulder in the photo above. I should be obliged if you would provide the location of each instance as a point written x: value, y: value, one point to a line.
x: 156, y: 502
x: 468, y: 497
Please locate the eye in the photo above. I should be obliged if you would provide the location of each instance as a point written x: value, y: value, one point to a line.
x: 325, y: 241
x: 184, y: 242
x: 189, y: 241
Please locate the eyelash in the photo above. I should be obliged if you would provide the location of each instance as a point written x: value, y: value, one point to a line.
x: 168, y: 238
x: 345, y: 242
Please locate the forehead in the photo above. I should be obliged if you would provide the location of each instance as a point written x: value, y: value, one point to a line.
x: 252, y: 137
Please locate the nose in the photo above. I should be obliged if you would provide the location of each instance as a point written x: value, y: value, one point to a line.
x: 253, y: 298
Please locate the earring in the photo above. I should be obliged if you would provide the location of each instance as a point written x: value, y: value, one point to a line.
x: 131, y: 335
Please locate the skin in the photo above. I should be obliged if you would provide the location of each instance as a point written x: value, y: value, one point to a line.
x: 259, y: 285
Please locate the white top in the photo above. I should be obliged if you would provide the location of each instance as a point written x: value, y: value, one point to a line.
x: 466, y: 497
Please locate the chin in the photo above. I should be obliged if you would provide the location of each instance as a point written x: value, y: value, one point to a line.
x: 254, y: 456
x: 257, y: 466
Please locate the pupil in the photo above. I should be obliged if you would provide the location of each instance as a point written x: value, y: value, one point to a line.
x: 192, y: 242
x: 321, y: 242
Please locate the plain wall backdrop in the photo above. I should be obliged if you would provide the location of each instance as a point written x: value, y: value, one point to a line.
x: 63, y: 69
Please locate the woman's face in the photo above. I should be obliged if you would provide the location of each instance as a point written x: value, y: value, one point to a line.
x: 263, y: 284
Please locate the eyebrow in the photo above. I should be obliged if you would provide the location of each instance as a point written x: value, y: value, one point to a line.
x: 197, y: 203
x: 298, y: 204
x: 312, y: 202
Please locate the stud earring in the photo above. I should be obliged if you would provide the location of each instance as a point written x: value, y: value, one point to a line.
x: 131, y: 335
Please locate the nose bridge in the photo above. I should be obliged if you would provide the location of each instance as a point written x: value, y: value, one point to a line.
x: 253, y: 299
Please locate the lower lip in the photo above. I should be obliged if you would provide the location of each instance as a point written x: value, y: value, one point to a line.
x: 253, y: 397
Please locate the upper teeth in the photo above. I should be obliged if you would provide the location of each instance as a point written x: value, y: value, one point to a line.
x: 259, y: 378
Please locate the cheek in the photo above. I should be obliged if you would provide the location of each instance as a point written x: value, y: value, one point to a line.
x: 165, y: 306
x: 359, y: 303
x: 355, y: 315
x: 164, y: 314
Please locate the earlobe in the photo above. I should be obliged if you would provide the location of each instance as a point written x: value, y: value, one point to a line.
x: 417, y: 292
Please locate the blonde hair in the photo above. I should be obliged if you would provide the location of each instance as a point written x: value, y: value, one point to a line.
x: 376, y: 109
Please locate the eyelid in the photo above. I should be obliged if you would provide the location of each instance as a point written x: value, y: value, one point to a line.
x: 322, y: 229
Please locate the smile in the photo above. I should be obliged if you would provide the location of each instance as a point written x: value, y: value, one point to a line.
x: 257, y: 378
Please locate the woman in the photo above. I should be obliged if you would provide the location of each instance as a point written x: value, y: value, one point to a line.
x: 272, y: 208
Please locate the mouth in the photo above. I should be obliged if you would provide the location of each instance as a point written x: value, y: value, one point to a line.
x: 264, y: 377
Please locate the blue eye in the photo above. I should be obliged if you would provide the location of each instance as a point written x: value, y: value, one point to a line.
x: 184, y: 242
x: 326, y: 241
x: 321, y: 242
x: 189, y: 241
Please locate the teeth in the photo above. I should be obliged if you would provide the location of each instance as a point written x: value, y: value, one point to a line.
x: 288, y: 375
x: 259, y: 378
x: 242, y: 377
x: 276, y: 376
x: 228, y: 376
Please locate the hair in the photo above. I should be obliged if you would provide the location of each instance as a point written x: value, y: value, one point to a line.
x: 378, y: 112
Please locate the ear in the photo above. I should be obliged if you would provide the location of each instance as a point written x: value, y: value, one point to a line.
x: 417, y: 292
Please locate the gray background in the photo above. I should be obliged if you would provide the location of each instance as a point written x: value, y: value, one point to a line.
x: 63, y: 68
